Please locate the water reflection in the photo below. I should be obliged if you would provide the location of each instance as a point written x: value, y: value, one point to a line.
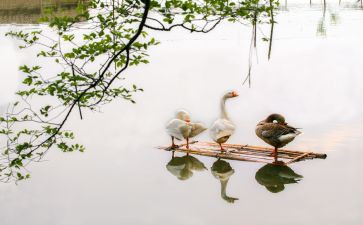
x: 274, y: 177
x: 183, y: 167
x: 322, y: 26
x: 30, y: 11
x: 222, y: 170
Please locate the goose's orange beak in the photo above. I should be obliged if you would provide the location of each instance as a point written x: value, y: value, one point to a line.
x: 234, y: 94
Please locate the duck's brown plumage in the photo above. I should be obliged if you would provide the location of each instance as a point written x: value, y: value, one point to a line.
x: 277, y: 134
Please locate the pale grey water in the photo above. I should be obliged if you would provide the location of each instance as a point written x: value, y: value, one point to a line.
x: 315, y: 81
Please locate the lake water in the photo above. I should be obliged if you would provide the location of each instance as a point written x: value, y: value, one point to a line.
x: 314, y: 78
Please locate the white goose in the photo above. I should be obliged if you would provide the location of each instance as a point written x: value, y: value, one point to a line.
x: 223, y: 128
x: 181, y: 128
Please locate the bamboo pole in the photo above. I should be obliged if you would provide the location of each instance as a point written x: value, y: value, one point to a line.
x: 298, y: 158
x: 251, y: 147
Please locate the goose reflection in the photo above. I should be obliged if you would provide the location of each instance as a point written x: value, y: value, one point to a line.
x: 222, y: 170
x: 183, y: 167
x: 274, y: 177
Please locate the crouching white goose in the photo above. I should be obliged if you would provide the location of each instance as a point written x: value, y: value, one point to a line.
x: 223, y: 128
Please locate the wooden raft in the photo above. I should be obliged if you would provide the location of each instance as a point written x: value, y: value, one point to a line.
x: 244, y: 152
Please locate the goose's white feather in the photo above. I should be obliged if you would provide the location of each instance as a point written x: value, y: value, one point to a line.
x: 221, y: 128
x: 178, y: 128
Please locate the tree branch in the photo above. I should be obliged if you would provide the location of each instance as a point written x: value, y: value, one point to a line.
x: 125, y: 48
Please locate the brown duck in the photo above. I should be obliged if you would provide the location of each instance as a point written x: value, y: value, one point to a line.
x: 275, y: 131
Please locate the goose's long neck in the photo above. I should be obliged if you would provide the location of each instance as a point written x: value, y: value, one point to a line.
x: 224, y: 114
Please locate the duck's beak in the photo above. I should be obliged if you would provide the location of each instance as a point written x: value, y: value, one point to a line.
x: 234, y: 94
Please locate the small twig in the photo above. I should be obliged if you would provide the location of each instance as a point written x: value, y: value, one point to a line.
x: 75, y: 81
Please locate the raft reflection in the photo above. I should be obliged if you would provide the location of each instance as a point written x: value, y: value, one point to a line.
x: 274, y: 177
x: 31, y: 11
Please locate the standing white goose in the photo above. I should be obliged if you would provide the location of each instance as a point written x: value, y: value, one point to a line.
x: 223, y: 128
x: 179, y: 127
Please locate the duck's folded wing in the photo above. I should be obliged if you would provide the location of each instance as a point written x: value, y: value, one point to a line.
x: 274, y: 130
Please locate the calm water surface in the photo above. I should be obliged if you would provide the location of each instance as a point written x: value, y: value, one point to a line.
x: 314, y: 78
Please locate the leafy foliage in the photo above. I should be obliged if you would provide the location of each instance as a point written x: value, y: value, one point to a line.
x: 90, y: 52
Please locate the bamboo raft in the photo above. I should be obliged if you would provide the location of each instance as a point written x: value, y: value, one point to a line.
x: 244, y: 152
